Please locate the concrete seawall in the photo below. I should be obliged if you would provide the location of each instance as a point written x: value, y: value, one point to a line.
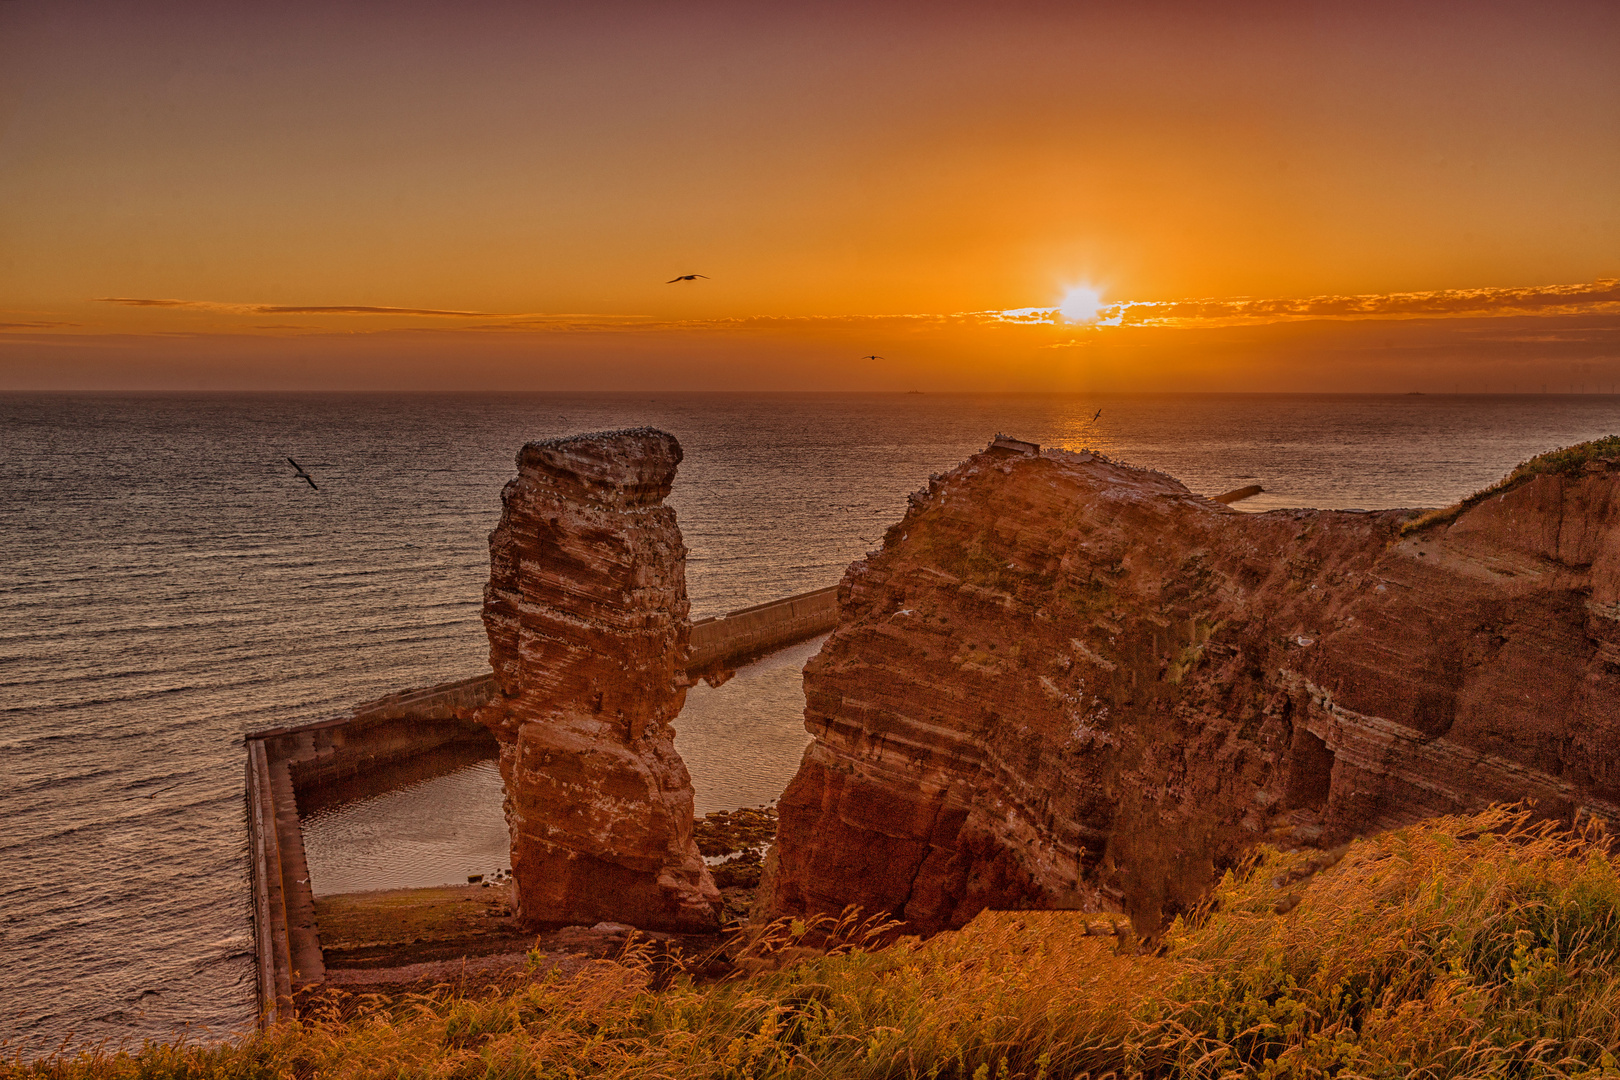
x: 293, y: 765
x: 739, y: 636
x: 285, y: 764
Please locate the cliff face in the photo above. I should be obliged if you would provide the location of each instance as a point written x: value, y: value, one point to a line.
x: 1063, y: 682
x: 587, y: 617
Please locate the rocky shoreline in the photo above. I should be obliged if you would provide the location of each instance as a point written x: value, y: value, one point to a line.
x: 398, y: 940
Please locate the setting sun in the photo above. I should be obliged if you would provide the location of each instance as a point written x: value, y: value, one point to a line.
x: 1081, y: 304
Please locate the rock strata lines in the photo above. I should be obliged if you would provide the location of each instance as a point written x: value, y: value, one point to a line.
x: 586, y: 612
x: 1067, y: 683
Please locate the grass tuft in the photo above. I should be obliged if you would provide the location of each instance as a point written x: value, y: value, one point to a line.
x: 1480, y: 946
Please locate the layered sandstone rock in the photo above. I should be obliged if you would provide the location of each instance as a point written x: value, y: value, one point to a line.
x: 1064, y: 682
x: 587, y: 618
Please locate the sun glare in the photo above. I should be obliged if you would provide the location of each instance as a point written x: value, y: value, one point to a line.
x: 1081, y: 304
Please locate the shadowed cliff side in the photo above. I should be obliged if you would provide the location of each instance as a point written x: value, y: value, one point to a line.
x: 1063, y: 682
x: 587, y: 617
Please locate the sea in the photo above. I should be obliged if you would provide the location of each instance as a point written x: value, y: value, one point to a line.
x: 168, y: 581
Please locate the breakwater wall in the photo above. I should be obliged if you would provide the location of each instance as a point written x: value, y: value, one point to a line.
x: 292, y: 767
x: 738, y: 636
x: 287, y: 765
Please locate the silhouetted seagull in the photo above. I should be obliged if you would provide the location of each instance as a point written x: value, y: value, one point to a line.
x: 871, y: 358
x: 687, y: 277
x: 307, y: 478
x: 1095, y: 415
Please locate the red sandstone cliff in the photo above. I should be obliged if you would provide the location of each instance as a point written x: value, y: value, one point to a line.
x: 587, y: 617
x: 1064, y: 682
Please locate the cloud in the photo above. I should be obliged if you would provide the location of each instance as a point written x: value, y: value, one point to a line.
x: 1598, y: 297
x: 357, y: 309
x: 1601, y: 297
x: 300, y: 309
x: 34, y: 325
x: 131, y: 301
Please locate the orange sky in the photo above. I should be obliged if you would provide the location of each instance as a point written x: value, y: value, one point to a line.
x: 851, y: 180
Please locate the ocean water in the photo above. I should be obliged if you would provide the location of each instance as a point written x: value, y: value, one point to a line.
x: 167, y: 582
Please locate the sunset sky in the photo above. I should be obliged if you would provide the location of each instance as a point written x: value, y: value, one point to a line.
x: 406, y: 195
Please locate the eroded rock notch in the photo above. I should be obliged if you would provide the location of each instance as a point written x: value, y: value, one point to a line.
x: 1067, y: 683
x: 586, y: 612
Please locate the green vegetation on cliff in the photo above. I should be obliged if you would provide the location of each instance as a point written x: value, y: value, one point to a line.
x: 1476, y: 946
x: 1565, y: 461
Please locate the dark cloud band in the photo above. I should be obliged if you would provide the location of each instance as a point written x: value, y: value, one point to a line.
x: 299, y: 309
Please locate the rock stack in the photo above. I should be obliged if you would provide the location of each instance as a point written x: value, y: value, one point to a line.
x: 586, y: 612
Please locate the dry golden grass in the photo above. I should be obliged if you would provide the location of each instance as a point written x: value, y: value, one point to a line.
x: 1481, y: 946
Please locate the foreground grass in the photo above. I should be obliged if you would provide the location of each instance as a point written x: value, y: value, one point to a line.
x: 1565, y: 461
x: 1477, y: 946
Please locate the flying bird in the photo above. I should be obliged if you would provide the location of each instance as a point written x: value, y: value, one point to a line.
x: 1095, y: 415
x: 871, y: 358
x: 687, y: 277
x: 307, y: 478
